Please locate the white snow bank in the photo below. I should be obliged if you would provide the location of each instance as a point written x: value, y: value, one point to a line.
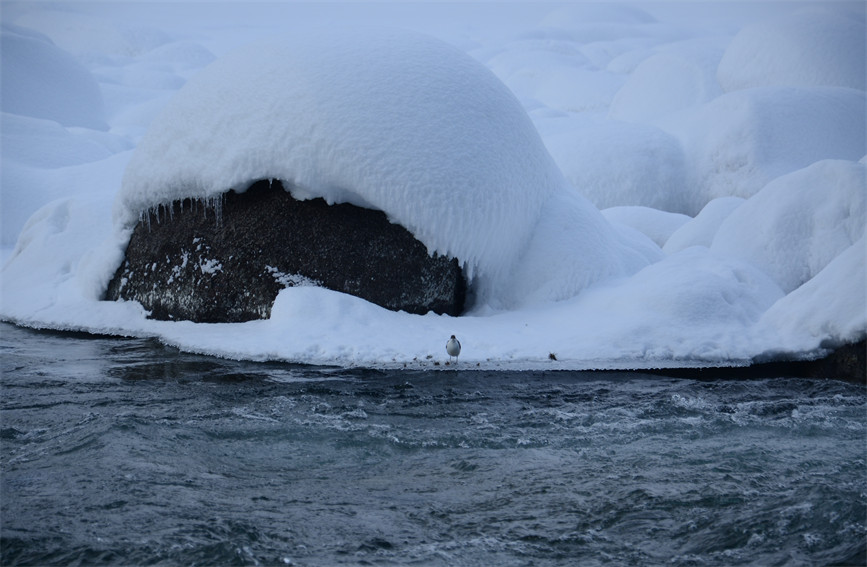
x: 740, y: 141
x: 816, y: 46
x: 615, y: 163
x: 555, y: 73
x: 61, y: 263
x: 701, y: 230
x: 679, y: 76
x: 384, y: 119
x: 44, y: 143
x: 40, y: 80
x: 40, y: 163
x: 692, y: 297
x: 828, y: 311
x: 799, y: 223
x: 561, y: 259
x: 90, y: 36
x: 653, y: 223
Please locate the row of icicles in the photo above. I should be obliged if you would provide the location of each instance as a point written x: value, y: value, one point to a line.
x: 164, y: 211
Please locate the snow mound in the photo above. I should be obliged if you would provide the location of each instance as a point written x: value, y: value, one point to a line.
x: 40, y: 80
x: 616, y: 163
x: 701, y: 230
x: 809, y: 47
x: 679, y: 76
x: 90, y: 36
x: 740, y: 141
x: 828, y: 311
x: 555, y: 73
x: 693, y: 297
x: 384, y: 119
x: 653, y: 223
x: 799, y: 223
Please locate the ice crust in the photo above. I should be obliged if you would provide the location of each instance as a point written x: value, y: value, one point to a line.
x: 725, y: 145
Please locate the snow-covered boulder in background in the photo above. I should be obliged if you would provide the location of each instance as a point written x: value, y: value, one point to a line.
x: 799, y: 223
x: 808, y: 47
x: 700, y: 230
x: 40, y: 80
x: 677, y: 77
x: 653, y: 223
x: 615, y: 163
x: 740, y: 141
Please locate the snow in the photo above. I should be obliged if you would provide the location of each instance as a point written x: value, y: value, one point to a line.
x: 799, y: 222
x: 724, y: 144
x: 700, y: 230
x: 40, y: 80
x: 655, y: 224
x: 740, y: 141
x: 324, y: 113
x: 646, y: 165
x: 679, y: 76
x: 814, y: 46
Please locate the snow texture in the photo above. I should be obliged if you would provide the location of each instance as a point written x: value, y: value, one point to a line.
x: 724, y: 141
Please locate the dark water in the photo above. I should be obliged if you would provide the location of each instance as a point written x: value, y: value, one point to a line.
x: 119, y: 451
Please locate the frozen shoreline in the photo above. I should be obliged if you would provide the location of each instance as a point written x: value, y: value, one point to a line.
x: 847, y: 362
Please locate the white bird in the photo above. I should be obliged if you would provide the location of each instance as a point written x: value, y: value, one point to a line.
x: 453, y: 347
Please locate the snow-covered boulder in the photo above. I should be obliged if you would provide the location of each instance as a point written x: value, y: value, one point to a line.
x: 827, y: 312
x: 701, y: 230
x: 799, y: 223
x: 816, y: 46
x: 615, y: 163
x: 90, y: 36
x: 182, y: 263
x: 40, y: 80
x: 653, y: 223
x: 739, y: 142
x: 383, y: 119
x: 677, y: 77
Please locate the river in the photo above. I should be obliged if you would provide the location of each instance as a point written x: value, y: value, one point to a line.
x: 119, y: 451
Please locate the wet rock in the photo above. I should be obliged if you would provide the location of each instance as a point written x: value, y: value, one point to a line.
x: 849, y: 362
x: 226, y: 261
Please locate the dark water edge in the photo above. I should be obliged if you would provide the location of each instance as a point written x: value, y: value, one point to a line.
x: 126, y: 452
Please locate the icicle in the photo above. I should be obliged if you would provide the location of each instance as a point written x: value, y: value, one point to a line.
x: 218, y: 210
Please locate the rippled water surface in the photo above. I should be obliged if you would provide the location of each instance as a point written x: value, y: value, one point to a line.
x: 122, y: 451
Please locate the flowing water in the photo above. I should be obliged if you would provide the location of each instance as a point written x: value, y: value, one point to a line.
x: 126, y: 452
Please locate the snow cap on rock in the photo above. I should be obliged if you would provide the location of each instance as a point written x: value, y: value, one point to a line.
x: 384, y: 119
x: 380, y: 118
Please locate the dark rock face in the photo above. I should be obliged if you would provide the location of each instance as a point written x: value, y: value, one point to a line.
x: 848, y: 362
x: 226, y: 262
